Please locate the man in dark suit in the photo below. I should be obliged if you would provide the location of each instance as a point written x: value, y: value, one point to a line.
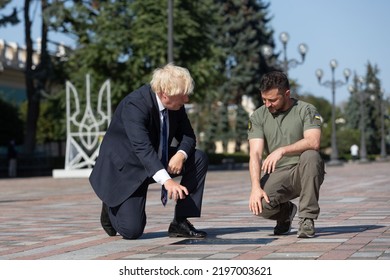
x: 131, y: 157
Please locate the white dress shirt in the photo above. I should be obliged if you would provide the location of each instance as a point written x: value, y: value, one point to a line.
x: 162, y: 175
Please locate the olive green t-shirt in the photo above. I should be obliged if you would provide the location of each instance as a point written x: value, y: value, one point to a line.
x: 279, y: 130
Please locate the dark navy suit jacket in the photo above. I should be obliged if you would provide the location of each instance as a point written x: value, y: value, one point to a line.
x: 128, y: 155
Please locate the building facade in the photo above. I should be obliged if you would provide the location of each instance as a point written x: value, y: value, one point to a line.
x: 12, y: 69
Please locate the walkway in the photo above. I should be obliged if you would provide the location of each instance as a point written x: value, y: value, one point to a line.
x: 58, y: 219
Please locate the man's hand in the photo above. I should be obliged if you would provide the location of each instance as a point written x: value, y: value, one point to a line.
x: 257, y: 195
x: 269, y: 164
x: 176, y: 163
x: 175, y: 190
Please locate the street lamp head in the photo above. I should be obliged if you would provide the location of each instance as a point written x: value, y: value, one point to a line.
x: 333, y: 64
x: 284, y: 37
x: 266, y: 50
x: 302, y: 48
x: 351, y: 89
x: 347, y: 74
x: 319, y: 74
x: 371, y: 90
x: 371, y: 86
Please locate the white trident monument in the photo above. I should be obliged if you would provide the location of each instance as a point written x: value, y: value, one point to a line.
x: 84, y: 130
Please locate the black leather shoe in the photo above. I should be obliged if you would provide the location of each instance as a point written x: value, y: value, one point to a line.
x: 185, y: 229
x: 105, y: 221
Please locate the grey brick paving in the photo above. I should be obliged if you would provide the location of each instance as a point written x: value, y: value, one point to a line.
x: 58, y: 219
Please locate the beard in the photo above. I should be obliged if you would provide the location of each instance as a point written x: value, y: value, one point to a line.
x: 281, y: 107
x: 274, y: 111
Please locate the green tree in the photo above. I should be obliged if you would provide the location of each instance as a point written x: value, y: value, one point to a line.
x: 36, y: 77
x: 325, y: 109
x: 242, y: 33
x: 373, y: 124
x: 240, y: 127
x: 12, y: 18
x: 125, y: 40
x: 33, y: 96
x: 194, y: 47
x: 102, y: 38
x: 370, y: 89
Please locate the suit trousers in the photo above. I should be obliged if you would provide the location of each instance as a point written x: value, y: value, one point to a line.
x: 301, y: 180
x: 129, y: 218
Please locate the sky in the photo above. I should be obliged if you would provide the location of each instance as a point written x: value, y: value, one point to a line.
x: 354, y: 32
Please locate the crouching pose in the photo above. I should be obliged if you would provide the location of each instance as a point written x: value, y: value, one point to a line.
x: 288, y: 132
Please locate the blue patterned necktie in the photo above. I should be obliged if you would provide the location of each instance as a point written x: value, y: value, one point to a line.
x: 164, y: 153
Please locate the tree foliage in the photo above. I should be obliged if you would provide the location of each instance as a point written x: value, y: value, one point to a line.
x: 241, y: 34
x: 325, y: 109
x: 125, y: 40
x: 12, y: 18
x: 369, y: 91
x: 219, y: 41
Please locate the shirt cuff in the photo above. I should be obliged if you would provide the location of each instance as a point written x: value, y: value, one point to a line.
x: 161, y: 176
x: 184, y: 153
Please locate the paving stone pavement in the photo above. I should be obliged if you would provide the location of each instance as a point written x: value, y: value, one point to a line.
x: 58, y: 219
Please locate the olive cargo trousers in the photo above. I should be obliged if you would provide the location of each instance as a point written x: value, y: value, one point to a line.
x: 301, y: 180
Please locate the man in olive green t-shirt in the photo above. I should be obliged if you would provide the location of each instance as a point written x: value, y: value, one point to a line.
x: 288, y: 132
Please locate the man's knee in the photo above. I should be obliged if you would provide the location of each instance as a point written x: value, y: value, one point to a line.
x: 131, y: 232
x: 131, y: 228
x: 310, y: 156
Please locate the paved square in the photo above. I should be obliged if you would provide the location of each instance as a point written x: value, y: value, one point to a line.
x: 45, y: 218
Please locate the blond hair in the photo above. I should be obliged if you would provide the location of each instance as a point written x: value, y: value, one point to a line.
x: 172, y: 80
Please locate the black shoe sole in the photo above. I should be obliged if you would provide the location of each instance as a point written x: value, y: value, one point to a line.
x: 304, y: 235
x: 179, y: 235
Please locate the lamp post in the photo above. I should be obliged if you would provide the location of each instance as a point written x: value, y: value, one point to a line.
x: 170, y: 31
x: 286, y: 63
x: 333, y: 84
x: 383, y: 154
x: 381, y: 102
x: 362, y: 125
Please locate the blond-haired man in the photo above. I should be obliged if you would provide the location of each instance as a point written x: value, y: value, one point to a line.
x: 131, y: 157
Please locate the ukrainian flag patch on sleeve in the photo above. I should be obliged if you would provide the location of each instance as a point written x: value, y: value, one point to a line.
x: 249, y: 125
x: 317, y: 118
